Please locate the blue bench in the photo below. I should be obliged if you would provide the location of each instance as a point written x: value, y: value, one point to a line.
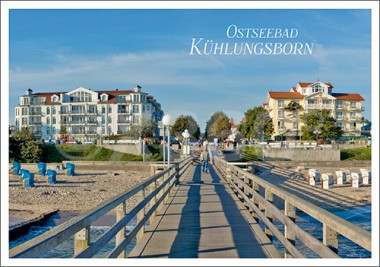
x: 16, y: 168
x: 41, y: 168
x: 70, y: 169
x: 52, y: 176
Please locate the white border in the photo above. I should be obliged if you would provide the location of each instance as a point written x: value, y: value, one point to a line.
x: 5, y: 6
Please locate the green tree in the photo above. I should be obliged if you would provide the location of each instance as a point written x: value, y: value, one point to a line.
x: 258, y: 124
x: 294, y: 108
x: 23, y: 147
x: 144, y: 128
x: 221, y: 128
x: 185, y: 122
x: 30, y: 152
x: 211, y: 121
x: 320, y: 124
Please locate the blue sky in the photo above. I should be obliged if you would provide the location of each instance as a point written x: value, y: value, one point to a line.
x: 104, y: 49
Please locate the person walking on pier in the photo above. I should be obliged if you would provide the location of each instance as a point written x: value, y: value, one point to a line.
x: 204, y: 160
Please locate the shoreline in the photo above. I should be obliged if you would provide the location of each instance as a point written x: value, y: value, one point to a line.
x: 87, y: 189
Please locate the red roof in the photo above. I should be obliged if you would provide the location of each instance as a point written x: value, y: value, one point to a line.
x: 306, y: 84
x: 344, y: 96
x: 286, y: 95
x: 294, y: 89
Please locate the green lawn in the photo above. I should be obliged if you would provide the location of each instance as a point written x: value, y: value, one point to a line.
x: 59, y: 153
x: 362, y: 153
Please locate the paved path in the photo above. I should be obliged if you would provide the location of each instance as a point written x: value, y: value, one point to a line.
x: 202, y: 220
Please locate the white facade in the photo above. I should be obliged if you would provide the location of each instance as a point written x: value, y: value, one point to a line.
x: 84, y: 114
x: 346, y: 108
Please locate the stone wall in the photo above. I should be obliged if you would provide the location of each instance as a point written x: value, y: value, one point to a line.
x: 125, y: 148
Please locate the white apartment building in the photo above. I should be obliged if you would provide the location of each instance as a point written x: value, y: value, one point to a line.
x: 85, y: 114
x: 346, y: 108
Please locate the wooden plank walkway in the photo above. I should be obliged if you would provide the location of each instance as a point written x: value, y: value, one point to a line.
x: 203, y: 220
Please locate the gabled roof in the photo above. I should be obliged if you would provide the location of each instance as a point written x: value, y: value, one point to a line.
x: 48, y: 96
x: 344, y: 96
x: 285, y: 95
x: 306, y: 84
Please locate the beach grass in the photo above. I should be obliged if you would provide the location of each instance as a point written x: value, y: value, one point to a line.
x: 361, y: 153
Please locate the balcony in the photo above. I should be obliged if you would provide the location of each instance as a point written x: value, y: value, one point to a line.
x: 340, y: 107
x: 91, y: 112
x: 77, y: 112
x: 319, y: 106
x: 35, y: 113
x: 122, y: 111
x: 123, y: 121
x: 35, y: 123
x: 354, y: 108
x: 340, y: 118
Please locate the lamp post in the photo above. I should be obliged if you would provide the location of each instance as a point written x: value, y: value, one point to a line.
x: 168, y: 122
x: 186, y: 136
x: 162, y: 126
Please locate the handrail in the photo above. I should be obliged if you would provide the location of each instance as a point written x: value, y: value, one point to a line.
x: 246, y: 185
x: 159, y: 186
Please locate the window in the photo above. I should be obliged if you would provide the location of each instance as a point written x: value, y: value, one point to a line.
x: 53, y: 111
x: 352, y: 126
x: 352, y: 115
x: 339, y: 124
x: 26, y: 101
x: 281, y: 125
x: 135, y: 119
x: 339, y: 103
x: 295, y: 125
x: 24, y: 121
x: 47, y: 110
x: 310, y: 101
x: 281, y: 103
x: 325, y: 101
x: 109, y: 119
x: 281, y: 114
x: 109, y: 109
x: 54, y: 120
x: 24, y: 111
x: 104, y: 97
x: 135, y: 109
x: 48, y: 130
x: 339, y: 115
x: 109, y: 129
x: 353, y: 104
x: 48, y: 120
x: 103, y: 109
x: 143, y: 108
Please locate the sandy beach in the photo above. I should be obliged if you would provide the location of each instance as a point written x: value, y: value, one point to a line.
x: 78, y: 193
x: 88, y: 189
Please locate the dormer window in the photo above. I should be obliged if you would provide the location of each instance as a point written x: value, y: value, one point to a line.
x: 103, y: 97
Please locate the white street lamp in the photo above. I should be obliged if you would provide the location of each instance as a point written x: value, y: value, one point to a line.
x: 162, y: 126
x: 168, y: 122
x: 186, y: 136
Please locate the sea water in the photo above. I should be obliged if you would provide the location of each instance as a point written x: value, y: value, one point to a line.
x: 347, y: 249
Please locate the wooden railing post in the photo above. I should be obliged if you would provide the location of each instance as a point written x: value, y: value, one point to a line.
x: 140, y: 216
x: 176, y: 173
x: 290, y: 211
x: 269, y: 198
x: 120, y: 236
x: 255, y: 188
x: 153, y: 187
x: 330, y: 238
x: 81, y: 240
